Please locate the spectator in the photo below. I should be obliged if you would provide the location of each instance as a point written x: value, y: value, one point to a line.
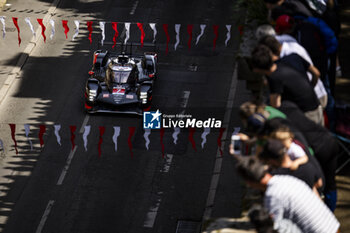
x: 297, y: 8
x: 289, y: 43
x: 285, y: 83
x: 268, y: 30
x: 321, y: 141
x: 260, y: 120
x: 299, y: 63
x: 275, y: 154
x: 295, y: 152
x: 248, y: 109
x: 317, y: 38
x: 287, y: 7
x: 287, y: 197
x: 307, y: 31
x: 310, y: 37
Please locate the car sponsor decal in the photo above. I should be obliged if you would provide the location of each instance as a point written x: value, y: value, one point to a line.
x: 119, y: 91
x: 105, y: 95
x: 129, y: 96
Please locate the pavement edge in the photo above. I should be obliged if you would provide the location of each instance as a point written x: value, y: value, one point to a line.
x: 26, y: 53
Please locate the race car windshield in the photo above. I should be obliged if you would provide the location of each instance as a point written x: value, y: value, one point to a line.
x: 121, y: 76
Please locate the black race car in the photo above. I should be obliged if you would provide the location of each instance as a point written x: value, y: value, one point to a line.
x: 120, y: 83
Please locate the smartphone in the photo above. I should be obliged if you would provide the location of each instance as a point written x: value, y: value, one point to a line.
x: 237, y: 144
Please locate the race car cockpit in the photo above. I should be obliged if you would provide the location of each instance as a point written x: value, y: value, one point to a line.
x: 118, y: 73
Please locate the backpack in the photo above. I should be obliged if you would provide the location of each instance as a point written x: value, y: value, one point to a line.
x: 329, y: 37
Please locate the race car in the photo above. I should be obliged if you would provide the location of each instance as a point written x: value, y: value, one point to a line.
x: 120, y: 83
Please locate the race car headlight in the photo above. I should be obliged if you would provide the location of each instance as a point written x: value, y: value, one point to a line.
x: 92, y: 95
x: 92, y: 92
x: 143, y: 95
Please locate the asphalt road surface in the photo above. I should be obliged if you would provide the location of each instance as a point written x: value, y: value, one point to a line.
x: 57, y: 189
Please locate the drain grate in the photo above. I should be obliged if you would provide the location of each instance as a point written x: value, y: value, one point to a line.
x: 188, y: 227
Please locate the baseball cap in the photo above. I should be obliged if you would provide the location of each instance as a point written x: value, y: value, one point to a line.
x: 284, y: 23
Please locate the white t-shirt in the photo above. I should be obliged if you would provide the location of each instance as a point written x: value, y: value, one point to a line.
x: 295, y: 151
x: 294, y: 47
x: 285, y: 38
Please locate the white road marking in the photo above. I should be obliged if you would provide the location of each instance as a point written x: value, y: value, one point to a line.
x: 218, y: 161
x: 45, y: 216
x: 134, y: 8
x: 153, y: 210
x: 185, y: 96
x: 86, y: 119
x: 152, y: 215
x: 122, y: 35
x: 183, y: 105
x: 167, y: 164
x: 66, y: 167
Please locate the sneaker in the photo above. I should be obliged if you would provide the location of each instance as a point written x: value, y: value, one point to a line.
x: 338, y: 72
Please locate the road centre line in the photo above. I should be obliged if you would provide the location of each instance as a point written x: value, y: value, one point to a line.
x: 185, y: 96
x: 152, y: 215
x: 167, y: 164
x: 153, y: 210
x: 218, y: 161
x: 86, y: 119
x: 134, y: 8
x: 71, y: 154
x: 45, y: 216
x: 66, y: 167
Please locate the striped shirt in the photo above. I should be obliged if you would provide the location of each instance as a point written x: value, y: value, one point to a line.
x: 287, y: 197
